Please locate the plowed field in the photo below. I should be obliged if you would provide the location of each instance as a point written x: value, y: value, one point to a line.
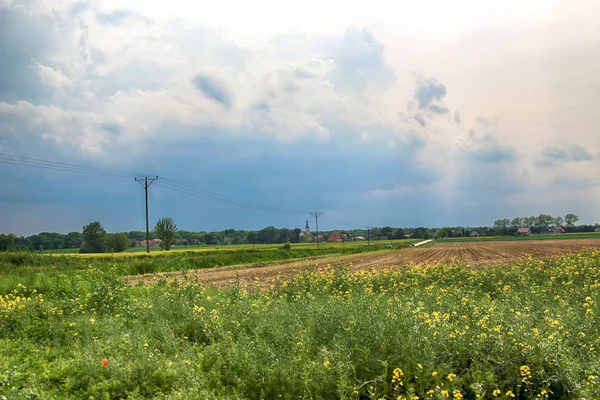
x: 473, y: 253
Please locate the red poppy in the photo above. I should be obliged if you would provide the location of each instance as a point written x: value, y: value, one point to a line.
x: 104, y: 362
x: 550, y: 272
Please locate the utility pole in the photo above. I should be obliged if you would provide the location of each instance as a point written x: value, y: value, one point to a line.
x: 316, y: 215
x: 368, y: 235
x: 145, y: 182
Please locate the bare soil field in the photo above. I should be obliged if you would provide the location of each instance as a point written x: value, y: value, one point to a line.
x: 470, y: 253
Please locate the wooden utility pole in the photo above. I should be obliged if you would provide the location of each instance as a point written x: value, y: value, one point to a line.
x: 316, y: 215
x: 145, y: 182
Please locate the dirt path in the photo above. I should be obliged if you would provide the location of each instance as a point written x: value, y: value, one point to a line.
x: 474, y: 253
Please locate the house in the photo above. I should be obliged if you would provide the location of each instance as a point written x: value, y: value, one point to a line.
x: 474, y: 234
x: 360, y: 238
x: 556, y: 229
x: 152, y: 242
x: 338, y: 237
x: 524, y: 231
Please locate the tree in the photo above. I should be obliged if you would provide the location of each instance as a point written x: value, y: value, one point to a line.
x: 529, y: 222
x: 165, y: 230
x: 516, y: 223
x: 7, y: 242
x: 297, y: 232
x: 117, y: 242
x: 559, y: 221
x: 501, y: 225
x: 571, y: 219
x: 93, y: 238
x: 543, y: 221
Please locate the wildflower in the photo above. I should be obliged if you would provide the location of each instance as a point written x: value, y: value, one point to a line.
x: 92, y: 320
x: 510, y: 394
x: 445, y: 393
x: 434, y: 373
x: 104, y: 362
x: 451, y: 377
x: 496, y: 392
x: 326, y: 364
x: 457, y: 394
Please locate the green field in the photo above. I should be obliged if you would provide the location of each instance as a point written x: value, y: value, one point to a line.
x: 42, y: 269
x: 530, y: 330
x: 325, y: 245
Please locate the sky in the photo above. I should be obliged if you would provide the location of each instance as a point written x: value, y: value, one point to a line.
x: 429, y: 113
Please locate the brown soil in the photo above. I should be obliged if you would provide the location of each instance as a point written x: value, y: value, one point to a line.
x: 470, y: 253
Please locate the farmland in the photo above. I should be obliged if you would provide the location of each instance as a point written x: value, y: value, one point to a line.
x: 465, y: 253
x: 455, y: 320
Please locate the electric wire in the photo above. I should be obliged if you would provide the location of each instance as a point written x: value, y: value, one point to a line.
x: 163, y: 182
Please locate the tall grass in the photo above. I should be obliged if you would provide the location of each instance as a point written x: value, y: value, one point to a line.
x: 528, y: 331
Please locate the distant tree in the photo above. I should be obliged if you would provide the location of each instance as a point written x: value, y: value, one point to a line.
x: 93, y: 238
x: 47, y: 244
x: 501, y: 225
x: 571, y: 219
x: 251, y: 238
x: 543, y: 221
x: 165, y: 230
x: 559, y: 221
x: 386, y: 231
x: 516, y: 223
x: 529, y: 222
x: 7, y: 242
x: 297, y: 232
x: 117, y: 242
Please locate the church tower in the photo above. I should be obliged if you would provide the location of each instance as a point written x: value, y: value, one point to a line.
x: 307, y: 228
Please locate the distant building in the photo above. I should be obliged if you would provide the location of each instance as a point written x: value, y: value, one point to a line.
x: 524, y: 231
x: 474, y: 234
x: 360, y: 238
x: 338, y: 237
x: 152, y: 242
x: 555, y: 230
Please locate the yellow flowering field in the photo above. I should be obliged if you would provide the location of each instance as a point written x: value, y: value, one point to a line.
x: 528, y: 330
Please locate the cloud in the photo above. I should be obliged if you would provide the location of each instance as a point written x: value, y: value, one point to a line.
x: 430, y: 94
x: 28, y: 37
x: 428, y: 101
x: 555, y: 155
x: 359, y: 61
x: 487, y: 148
x: 212, y: 88
x: 120, y: 17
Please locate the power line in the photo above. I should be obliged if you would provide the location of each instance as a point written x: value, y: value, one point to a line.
x: 186, y: 189
x: 166, y: 183
x: 47, y: 164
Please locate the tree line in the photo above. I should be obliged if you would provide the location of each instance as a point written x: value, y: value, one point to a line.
x: 94, y: 237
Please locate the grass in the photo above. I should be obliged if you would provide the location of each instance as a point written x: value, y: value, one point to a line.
x: 530, y: 330
x: 132, y: 251
x: 44, y: 269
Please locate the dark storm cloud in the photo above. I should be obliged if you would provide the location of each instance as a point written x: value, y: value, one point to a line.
x: 25, y: 40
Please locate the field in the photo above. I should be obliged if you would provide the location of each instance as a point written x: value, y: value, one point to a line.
x: 465, y: 253
x: 474, y: 321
